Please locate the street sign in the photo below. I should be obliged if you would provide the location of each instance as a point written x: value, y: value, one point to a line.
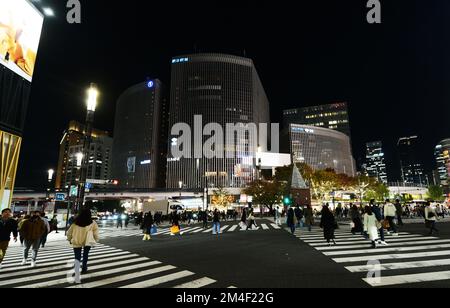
x: 60, y: 197
x: 73, y: 191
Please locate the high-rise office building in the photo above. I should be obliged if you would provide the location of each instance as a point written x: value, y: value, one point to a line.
x: 222, y: 89
x: 375, y: 166
x: 100, y: 155
x: 140, y: 137
x: 321, y: 148
x: 411, y: 168
x: 442, y: 154
x: 332, y: 116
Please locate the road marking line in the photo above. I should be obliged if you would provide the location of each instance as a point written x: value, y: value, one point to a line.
x: 199, y: 283
x: 275, y: 226
x: 399, y: 266
x: 363, y: 240
x: 52, y: 257
x: 265, y: 227
x: 208, y: 230
x: 392, y: 256
x: 64, y: 260
x: 159, y: 280
x: 189, y: 230
x: 64, y: 272
x: 49, y: 252
x: 404, y: 279
x: 233, y: 228
x: 126, y: 277
x: 199, y: 230
x: 379, y: 250
x: 224, y: 228
x: 391, y: 245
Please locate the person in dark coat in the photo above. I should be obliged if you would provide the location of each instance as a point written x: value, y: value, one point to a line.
x: 147, y: 224
x: 291, y: 220
x: 205, y: 219
x: 8, y: 226
x: 299, y: 215
x: 328, y: 224
x: 355, y: 216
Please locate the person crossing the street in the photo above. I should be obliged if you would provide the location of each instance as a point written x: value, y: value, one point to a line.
x: 377, y: 212
x: 205, y: 219
x: 390, y: 212
x: 8, y: 226
x: 216, y: 222
x: 328, y: 224
x: 399, y: 212
x: 32, y: 231
x: 371, y: 226
x: 431, y: 218
x: 147, y: 226
x: 309, y: 217
x: 82, y: 235
x: 251, y: 220
x: 290, y: 220
x: 47, y: 225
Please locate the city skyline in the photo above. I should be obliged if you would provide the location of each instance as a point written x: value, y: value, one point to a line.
x: 290, y: 82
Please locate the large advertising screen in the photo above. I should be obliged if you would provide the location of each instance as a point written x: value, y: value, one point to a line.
x: 20, y: 32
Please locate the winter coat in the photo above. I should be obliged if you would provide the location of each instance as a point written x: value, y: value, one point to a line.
x: 147, y: 223
x: 390, y: 210
x: 6, y: 228
x: 309, y: 217
x: 399, y: 209
x: 290, y: 218
x: 33, y: 229
x: 377, y: 211
x: 77, y: 236
x: 371, y: 226
x: 328, y: 224
x: 216, y: 217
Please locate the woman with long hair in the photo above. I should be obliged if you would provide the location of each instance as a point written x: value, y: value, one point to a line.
x: 82, y: 235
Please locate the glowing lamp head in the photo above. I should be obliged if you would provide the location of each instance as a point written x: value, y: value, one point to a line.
x: 51, y: 172
x: 92, y: 98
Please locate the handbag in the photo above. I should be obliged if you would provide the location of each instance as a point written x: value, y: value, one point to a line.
x: 386, y: 225
x: 174, y: 230
x: 90, y: 239
x: 378, y: 224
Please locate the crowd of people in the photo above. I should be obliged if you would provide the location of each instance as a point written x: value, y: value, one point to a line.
x: 373, y: 221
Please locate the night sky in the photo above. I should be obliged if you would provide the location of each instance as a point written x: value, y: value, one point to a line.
x: 395, y: 76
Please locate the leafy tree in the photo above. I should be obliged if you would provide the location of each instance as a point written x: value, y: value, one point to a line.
x: 436, y: 193
x: 221, y: 198
x: 266, y: 193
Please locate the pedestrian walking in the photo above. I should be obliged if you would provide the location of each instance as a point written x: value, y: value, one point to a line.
x: 54, y: 224
x: 298, y: 215
x: 146, y: 227
x: 127, y: 220
x: 390, y: 212
x: 47, y: 225
x: 290, y: 220
x: 82, y: 235
x: 399, y: 212
x: 309, y: 217
x: 216, y: 222
x: 32, y: 231
x: 355, y: 216
x: 8, y: 226
x: 277, y: 216
x: 371, y: 226
x: 377, y: 212
x: 243, y: 223
x: 328, y: 224
x: 251, y: 220
x: 19, y: 227
x: 430, y: 218
x: 119, y: 221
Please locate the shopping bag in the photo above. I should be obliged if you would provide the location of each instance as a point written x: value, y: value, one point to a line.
x: 153, y: 230
x: 386, y: 224
x: 174, y: 230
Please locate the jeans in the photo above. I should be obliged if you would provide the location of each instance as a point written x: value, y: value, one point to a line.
x: 86, y: 251
x: 31, y: 244
x: 216, y: 228
x: 433, y: 227
x: 392, y: 225
x: 382, y: 234
x: 293, y: 228
x: 44, y: 239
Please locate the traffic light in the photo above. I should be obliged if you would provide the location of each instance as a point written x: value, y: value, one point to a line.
x: 287, y: 200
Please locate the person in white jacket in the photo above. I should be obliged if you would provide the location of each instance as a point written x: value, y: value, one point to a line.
x: 82, y: 235
x: 371, y: 226
x: 390, y: 212
x: 431, y: 218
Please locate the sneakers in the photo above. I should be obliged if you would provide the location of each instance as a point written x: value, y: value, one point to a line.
x: 33, y: 264
x: 383, y: 243
x: 23, y: 262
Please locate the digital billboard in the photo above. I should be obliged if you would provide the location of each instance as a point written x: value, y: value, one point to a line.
x: 20, y: 31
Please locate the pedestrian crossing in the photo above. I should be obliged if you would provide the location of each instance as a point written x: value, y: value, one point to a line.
x: 106, y: 233
x: 108, y: 267
x: 408, y: 259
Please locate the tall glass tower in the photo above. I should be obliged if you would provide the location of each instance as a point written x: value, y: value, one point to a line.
x: 222, y: 89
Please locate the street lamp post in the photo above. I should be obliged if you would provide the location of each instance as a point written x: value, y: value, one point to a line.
x: 50, y: 172
x: 91, y: 106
